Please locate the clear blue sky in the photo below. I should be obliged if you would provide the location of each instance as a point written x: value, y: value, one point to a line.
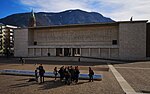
x: 9, y: 7
x: 116, y: 9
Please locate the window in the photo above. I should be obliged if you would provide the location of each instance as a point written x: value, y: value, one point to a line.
x: 59, y: 52
x: 76, y: 51
x: 35, y: 43
x: 114, y: 42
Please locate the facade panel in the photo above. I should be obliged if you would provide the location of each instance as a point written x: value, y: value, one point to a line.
x: 85, y: 52
x: 105, y: 53
x: 94, y: 52
x: 114, y: 53
x: 21, y: 43
x: 37, y: 52
x: 30, y: 52
x: 52, y: 51
x: 132, y: 40
x: 44, y: 52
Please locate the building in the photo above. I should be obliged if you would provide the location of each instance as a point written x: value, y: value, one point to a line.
x: 6, y: 38
x: 148, y: 40
x: 118, y: 40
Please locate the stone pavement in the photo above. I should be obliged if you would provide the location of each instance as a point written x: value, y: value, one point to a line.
x: 123, y: 83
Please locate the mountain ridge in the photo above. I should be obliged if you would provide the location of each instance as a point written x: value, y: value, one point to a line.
x: 60, y: 18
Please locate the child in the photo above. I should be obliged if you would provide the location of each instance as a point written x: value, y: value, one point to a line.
x: 91, y: 73
x: 36, y: 75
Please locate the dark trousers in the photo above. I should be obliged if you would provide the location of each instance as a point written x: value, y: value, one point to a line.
x: 36, y: 78
x: 55, y: 76
x: 72, y: 77
x: 76, y: 78
x: 67, y: 80
x: 41, y: 78
x: 90, y: 78
x: 61, y: 77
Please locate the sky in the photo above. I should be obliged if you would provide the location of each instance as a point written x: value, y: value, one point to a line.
x: 118, y: 10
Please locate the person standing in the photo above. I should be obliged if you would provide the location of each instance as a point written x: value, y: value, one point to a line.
x: 55, y: 72
x: 61, y: 72
x: 72, y: 72
x: 41, y: 73
x: 91, y: 73
x: 77, y: 72
x: 22, y: 60
x: 36, y: 74
x: 67, y: 76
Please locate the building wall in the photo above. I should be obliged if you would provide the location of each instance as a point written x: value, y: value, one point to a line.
x: 132, y: 40
x: 90, y: 40
x: 94, y: 52
x: 21, y: 42
x: 85, y: 52
x: 148, y: 40
x: 93, y: 41
x: 31, y: 52
x: 85, y: 36
x: 114, y: 53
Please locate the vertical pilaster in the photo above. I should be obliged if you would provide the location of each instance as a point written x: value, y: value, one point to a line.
x: 89, y: 52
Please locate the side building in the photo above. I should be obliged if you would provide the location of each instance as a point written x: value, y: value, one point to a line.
x: 118, y: 40
x: 6, y: 39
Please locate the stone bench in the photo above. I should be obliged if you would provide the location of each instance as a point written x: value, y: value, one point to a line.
x: 47, y: 74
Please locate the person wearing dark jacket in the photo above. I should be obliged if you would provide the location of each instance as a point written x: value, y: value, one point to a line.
x: 76, y: 74
x: 91, y: 73
x: 72, y: 72
x: 41, y: 73
x: 55, y: 72
x: 61, y: 72
x: 67, y: 76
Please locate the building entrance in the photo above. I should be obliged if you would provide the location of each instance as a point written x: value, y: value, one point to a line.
x: 67, y: 51
x: 58, y: 51
x: 75, y: 52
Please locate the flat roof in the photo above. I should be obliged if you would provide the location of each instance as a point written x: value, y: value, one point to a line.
x: 136, y: 21
x: 90, y: 24
x: 76, y: 25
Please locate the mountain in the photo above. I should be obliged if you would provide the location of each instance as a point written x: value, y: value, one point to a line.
x: 61, y: 18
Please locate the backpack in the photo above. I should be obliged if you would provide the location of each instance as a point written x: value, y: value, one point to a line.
x: 92, y: 72
x: 43, y: 71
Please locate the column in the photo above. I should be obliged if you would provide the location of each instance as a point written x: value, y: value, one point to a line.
x: 62, y: 51
x: 89, y: 52
x: 99, y: 52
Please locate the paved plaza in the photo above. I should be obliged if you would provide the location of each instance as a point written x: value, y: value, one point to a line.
x: 136, y: 74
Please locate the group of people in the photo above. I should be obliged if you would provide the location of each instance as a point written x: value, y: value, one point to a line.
x: 68, y: 74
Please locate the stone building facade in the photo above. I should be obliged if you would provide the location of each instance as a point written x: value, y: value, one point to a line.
x: 117, y: 40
